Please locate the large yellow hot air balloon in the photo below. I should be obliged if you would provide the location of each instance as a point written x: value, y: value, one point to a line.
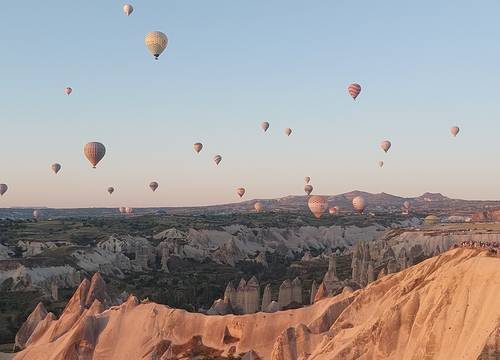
x: 55, y: 167
x: 240, y: 191
x: 288, y: 131
x: 217, y: 159
x: 264, y: 126
x: 111, y: 190
x: 94, y: 152
x: 385, y: 145
x: 128, y: 9
x: 157, y: 42
x: 359, y: 204
x: 153, y: 185
x: 317, y: 204
x: 197, y: 147
x: 454, y: 131
x: 3, y: 189
x: 258, y: 206
x: 308, y: 189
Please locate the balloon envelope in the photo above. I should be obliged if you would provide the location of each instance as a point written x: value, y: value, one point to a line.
x: 240, y: 191
x: 332, y: 211
x: 36, y: 214
x: 68, y: 90
x: 3, y: 189
x: 308, y: 189
x: 156, y: 42
x: 288, y: 131
x: 385, y: 145
x: 55, y: 167
x: 407, y: 205
x: 197, y: 147
x: 307, y: 179
x: 264, y: 126
x: 455, y: 130
x: 359, y: 204
x: 258, y: 207
x: 354, y: 90
x: 127, y: 9
x: 111, y: 190
x: 217, y: 159
x: 381, y: 164
x: 94, y: 152
x: 129, y: 210
x: 153, y: 185
x: 317, y: 204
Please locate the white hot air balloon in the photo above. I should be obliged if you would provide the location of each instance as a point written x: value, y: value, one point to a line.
x: 317, y: 204
x: 3, y: 189
x: 36, y: 214
x: 258, y: 206
x: 68, y: 90
x: 385, y: 145
x: 264, y: 126
x: 454, y: 131
x: 308, y: 189
x: 217, y: 159
x: 55, y: 167
x: 128, y: 9
x: 359, y: 204
x: 288, y: 131
x: 240, y: 191
x: 156, y: 42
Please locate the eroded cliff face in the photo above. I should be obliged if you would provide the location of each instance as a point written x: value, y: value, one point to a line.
x: 446, y: 307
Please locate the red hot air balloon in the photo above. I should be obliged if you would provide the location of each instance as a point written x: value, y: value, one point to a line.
x: 354, y: 90
x: 240, y: 191
x: 94, y: 152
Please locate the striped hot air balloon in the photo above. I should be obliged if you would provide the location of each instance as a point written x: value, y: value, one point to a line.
x: 317, y: 204
x: 264, y: 126
x: 359, y: 204
x: 3, y: 189
x: 258, y: 206
x: 197, y: 147
x: 454, y: 131
x: 308, y: 189
x: 240, y: 191
x: 153, y: 185
x: 128, y: 9
x: 55, y: 167
x: 111, y: 190
x: 94, y: 152
x: 385, y: 145
x: 156, y: 42
x: 68, y: 90
x: 354, y: 90
x: 217, y: 159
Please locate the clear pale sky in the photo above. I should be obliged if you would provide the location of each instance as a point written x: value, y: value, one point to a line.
x: 424, y: 66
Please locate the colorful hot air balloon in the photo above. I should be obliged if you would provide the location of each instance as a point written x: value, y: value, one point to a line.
x: 217, y: 159
x: 264, y: 126
x: 128, y: 9
x: 94, y: 152
x: 354, y: 90
x: 317, y: 204
x: 55, y: 167
x: 332, y: 211
x: 240, y: 191
x: 111, y: 190
x: 385, y: 145
x: 36, y: 214
x: 359, y: 204
x: 153, y: 185
x: 288, y: 131
x: 258, y: 207
x: 3, y: 189
x: 455, y: 130
x: 68, y: 90
x: 308, y: 189
x: 381, y: 164
x: 197, y: 147
x: 157, y: 42
x: 307, y: 179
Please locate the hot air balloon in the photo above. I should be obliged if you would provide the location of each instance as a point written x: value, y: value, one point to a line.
x: 288, y: 131
x: 308, y: 189
x: 317, y: 204
x: 431, y: 220
x: 94, y: 152
x: 264, y: 126
x: 240, y: 191
x: 129, y: 210
x: 307, y: 179
x: 3, y: 189
x: 153, y: 185
x: 217, y: 159
x: 157, y: 42
x: 455, y: 130
x: 197, y: 147
x: 111, y: 190
x: 36, y: 214
x: 55, y: 167
x: 68, y: 90
x: 359, y: 204
x: 381, y: 164
x: 332, y: 211
x: 128, y: 9
x: 258, y: 206
x: 407, y: 205
x: 385, y: 145
x: 121, y: 209
x: 354, y: 90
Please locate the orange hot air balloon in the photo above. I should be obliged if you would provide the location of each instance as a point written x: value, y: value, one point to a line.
x: 359, y: 204
x: 3, y: 189
x: 240, y: 191
x: 288, y: 131
x: 308, y: 189
x: 307, y: 179
x: 385, y: 145
x: 332, y: 211
x: 258, y: 206
x: 153, y: 185
x: 197, y: 147
x: 454, y: 131
x: 217, y: 159
x: 68, y: 91
x: 317, y: 204
x: 94, y: 152
x: 354, y: 90
x: 55, y: 167
x: 264, y: 126
x: 111, y: 190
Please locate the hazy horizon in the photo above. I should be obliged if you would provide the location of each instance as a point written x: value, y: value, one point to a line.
x: 229, y: 66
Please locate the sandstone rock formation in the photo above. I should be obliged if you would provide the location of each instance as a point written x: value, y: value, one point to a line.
x: 266, y: 297
x: 285, y: 294
x: 30, y: 325
x: 314, y: 290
